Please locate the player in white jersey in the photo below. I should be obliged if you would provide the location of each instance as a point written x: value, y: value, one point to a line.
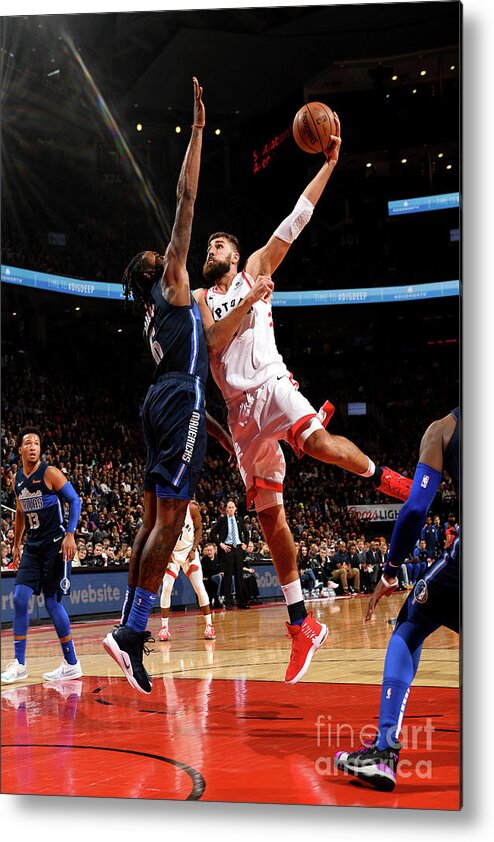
x: 264, y: 404
x: 185, y: 556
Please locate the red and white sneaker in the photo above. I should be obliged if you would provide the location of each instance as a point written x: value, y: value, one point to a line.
x: 394, y: 484
x: 164, y: 633
x: 209, y: 633
x: 306, y: 639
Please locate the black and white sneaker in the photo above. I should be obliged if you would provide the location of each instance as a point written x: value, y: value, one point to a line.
x: 373, y: 767
x: 126, y: 647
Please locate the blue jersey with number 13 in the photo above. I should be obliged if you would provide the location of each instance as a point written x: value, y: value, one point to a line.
x: 43, y: 515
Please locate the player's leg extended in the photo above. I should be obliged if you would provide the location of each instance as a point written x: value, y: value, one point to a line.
x: 170, y: 516
x: 140, y: 539
x: 280, y: 542
x: 377, y: 764
x: 126, y: 644
x: 307, y: 633
x: 17, y: 668
x: 340, y: 451
x: 70, y: 667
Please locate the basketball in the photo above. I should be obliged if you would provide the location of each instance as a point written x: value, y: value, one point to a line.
x: 313, y: 125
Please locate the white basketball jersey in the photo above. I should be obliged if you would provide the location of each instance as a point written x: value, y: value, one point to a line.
x: 251, y: 357
x: 186, y: 537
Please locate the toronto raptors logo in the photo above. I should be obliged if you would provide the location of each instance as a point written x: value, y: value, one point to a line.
x: 421, y: 593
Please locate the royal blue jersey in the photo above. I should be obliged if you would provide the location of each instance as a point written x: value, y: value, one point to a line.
x: 176, y: 337
x: 43, y: 515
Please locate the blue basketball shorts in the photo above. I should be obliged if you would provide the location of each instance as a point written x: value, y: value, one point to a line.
x: 174, y: 428
x: 42, y: 567
x: 435, y: 597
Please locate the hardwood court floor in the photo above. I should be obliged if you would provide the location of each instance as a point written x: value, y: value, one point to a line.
x: 220, y: 724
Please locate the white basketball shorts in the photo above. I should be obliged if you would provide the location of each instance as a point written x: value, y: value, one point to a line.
x: 261, y: 418
x: 179, y: 561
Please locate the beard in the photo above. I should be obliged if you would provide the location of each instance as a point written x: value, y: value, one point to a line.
x: 214, y: 271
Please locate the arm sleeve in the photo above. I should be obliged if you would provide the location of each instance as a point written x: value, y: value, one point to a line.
x: 412, y: 516
x: 69, y: 495
x: 290, y: 228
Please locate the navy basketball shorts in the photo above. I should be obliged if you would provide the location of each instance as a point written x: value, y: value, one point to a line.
x: 42, y: 568
x: 174, y: 427
x: 435, y: 599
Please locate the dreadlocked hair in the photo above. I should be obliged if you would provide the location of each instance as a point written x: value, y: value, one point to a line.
x: 137, y: 281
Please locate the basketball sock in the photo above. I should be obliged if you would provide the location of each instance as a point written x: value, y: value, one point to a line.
x: 207, y: 619
x: 20, y: 644
x: 68, y: 650
x: 164, y: 622
x: 127, y: 605
x: 371, y: 470
x: 61, y: 622
x: 399, y: 671
x: 22, y: 595
x: 141, y: 609
x: 295, y: 602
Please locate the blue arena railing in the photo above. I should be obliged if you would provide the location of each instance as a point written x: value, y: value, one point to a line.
x: 421, y: 204
x: 304, y: 298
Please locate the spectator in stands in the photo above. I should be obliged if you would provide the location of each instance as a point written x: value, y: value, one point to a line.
x: 6, y: 556
x: 451, y: 530
x: 354, y: 562
x: 250, y: 583
x: 212, y: 575
x: 440, y: 537
x: 98, y: 558
x: 430, y: 535
x: 316, y: 565
x: 81, y: 557
x: 307, y: 575
x: 251, y: 554
x: 422, y: 558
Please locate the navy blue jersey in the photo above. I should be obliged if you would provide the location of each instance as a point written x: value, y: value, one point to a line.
x: 176, y: 336
x: 42, y: 510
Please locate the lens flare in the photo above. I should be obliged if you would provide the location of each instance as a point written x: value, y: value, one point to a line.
x: 147, y: 193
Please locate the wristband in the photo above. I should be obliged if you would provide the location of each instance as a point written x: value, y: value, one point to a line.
x: 386, y: 583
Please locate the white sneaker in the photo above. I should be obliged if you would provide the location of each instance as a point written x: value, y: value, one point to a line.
x: 64, y: 672
x: 14, y: 672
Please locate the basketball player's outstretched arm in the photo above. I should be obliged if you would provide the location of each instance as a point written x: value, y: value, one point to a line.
x: 175, y: 276
x: 428, y: 475
x: 268, y: 258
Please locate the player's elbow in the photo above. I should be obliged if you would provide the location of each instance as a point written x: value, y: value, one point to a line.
x: 415, y: 511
